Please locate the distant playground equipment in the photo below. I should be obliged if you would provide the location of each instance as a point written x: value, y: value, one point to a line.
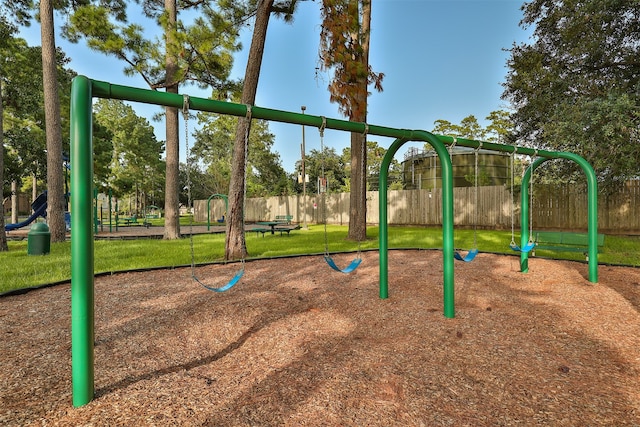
x: 107, y: 213
x: 39, y: 207
x: 82, y: 267
x: 120, y: 220
x: 226, y: 209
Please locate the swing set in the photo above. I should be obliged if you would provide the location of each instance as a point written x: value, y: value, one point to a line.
x: 83, y: 91
x: 224, y: 213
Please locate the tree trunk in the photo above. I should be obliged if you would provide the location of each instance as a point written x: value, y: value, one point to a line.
x: 171, y: 204
x: 235, y: 245
x: 137, y: 200
x: 55, y: 177
x: 34, y: 187
x: 15, y: 201
x: 358, y: 196
x: 3, y: 234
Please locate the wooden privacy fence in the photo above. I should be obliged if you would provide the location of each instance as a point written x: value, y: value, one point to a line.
x: 564, y: 207
x: 24, y: 204
x: 408, y: 207
x: 553, y: 207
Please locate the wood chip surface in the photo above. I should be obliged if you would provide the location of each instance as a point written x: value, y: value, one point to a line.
x: 296, y: 344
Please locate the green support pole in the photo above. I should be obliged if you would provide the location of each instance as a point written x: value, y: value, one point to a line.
x: 592, y: 218
x: 524, y: 220
x: 82, y: 292
x: 447, y: 223
x: 447, y: 217
x: 383, y: 234
x: 592, y: 213
x: 524, y: 212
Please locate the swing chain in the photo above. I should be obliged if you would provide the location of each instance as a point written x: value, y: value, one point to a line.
x: 452, y: 146
x: 535, y: 154
x: 185, y: 116
x: 477, y: 176
x: 513, y: 215
x: 364, y: 171
x: 185, y: 106
x: 324, y: 193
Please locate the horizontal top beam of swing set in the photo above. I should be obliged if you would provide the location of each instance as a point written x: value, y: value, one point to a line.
x: 112, y: 91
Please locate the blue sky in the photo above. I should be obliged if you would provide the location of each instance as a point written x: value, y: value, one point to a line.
x: 442, y: 59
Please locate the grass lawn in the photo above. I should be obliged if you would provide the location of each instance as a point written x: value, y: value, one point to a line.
x: 19, y: 270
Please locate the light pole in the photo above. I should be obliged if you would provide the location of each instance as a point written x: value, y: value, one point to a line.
x: 304, y: 180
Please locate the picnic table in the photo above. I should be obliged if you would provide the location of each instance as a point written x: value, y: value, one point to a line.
x: 271, y: 224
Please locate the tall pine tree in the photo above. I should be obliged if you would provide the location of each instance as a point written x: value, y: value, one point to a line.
x: 344, y: 49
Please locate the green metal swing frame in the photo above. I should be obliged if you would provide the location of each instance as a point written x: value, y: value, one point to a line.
x: 82, y: 246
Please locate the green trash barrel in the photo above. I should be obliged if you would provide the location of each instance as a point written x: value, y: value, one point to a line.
x: 39, y: 239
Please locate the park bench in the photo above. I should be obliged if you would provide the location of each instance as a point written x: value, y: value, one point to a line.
x: 564, y: 241
x: 285, y: 219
